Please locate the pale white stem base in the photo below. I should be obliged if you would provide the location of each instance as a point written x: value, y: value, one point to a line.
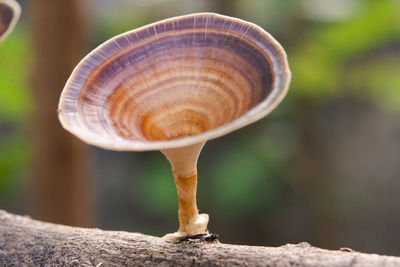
x: 196, y: 226
x: 183, y: 161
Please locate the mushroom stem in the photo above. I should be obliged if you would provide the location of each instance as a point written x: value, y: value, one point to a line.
x: 186, y: 188
x: 183, y: 161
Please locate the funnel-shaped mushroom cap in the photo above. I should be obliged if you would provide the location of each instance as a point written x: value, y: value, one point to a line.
x: 174, y: 83
x: 9, y: 14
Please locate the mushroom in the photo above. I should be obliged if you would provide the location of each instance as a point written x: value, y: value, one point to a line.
x: 171, y: 86
x: 9, y: 14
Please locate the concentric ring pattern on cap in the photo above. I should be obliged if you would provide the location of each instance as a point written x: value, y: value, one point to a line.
x: 173, y: 83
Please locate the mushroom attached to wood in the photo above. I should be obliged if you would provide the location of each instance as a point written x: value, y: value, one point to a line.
x: 171, y: 86
x: 9, y: 14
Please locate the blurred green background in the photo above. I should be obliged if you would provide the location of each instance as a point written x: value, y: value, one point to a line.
x: 324, y: 167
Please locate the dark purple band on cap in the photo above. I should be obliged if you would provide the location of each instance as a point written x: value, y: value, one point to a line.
x: 6, y: 15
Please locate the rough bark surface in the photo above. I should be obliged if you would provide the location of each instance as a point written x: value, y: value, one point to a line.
x: 24, y: 241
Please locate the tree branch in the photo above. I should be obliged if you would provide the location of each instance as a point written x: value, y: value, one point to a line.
x: 24, y: 241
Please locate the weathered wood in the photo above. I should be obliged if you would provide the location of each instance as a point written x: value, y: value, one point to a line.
x: 24, y: 241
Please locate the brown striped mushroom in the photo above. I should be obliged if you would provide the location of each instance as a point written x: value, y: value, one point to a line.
x: 9, y: 14
x: 171, y: 86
